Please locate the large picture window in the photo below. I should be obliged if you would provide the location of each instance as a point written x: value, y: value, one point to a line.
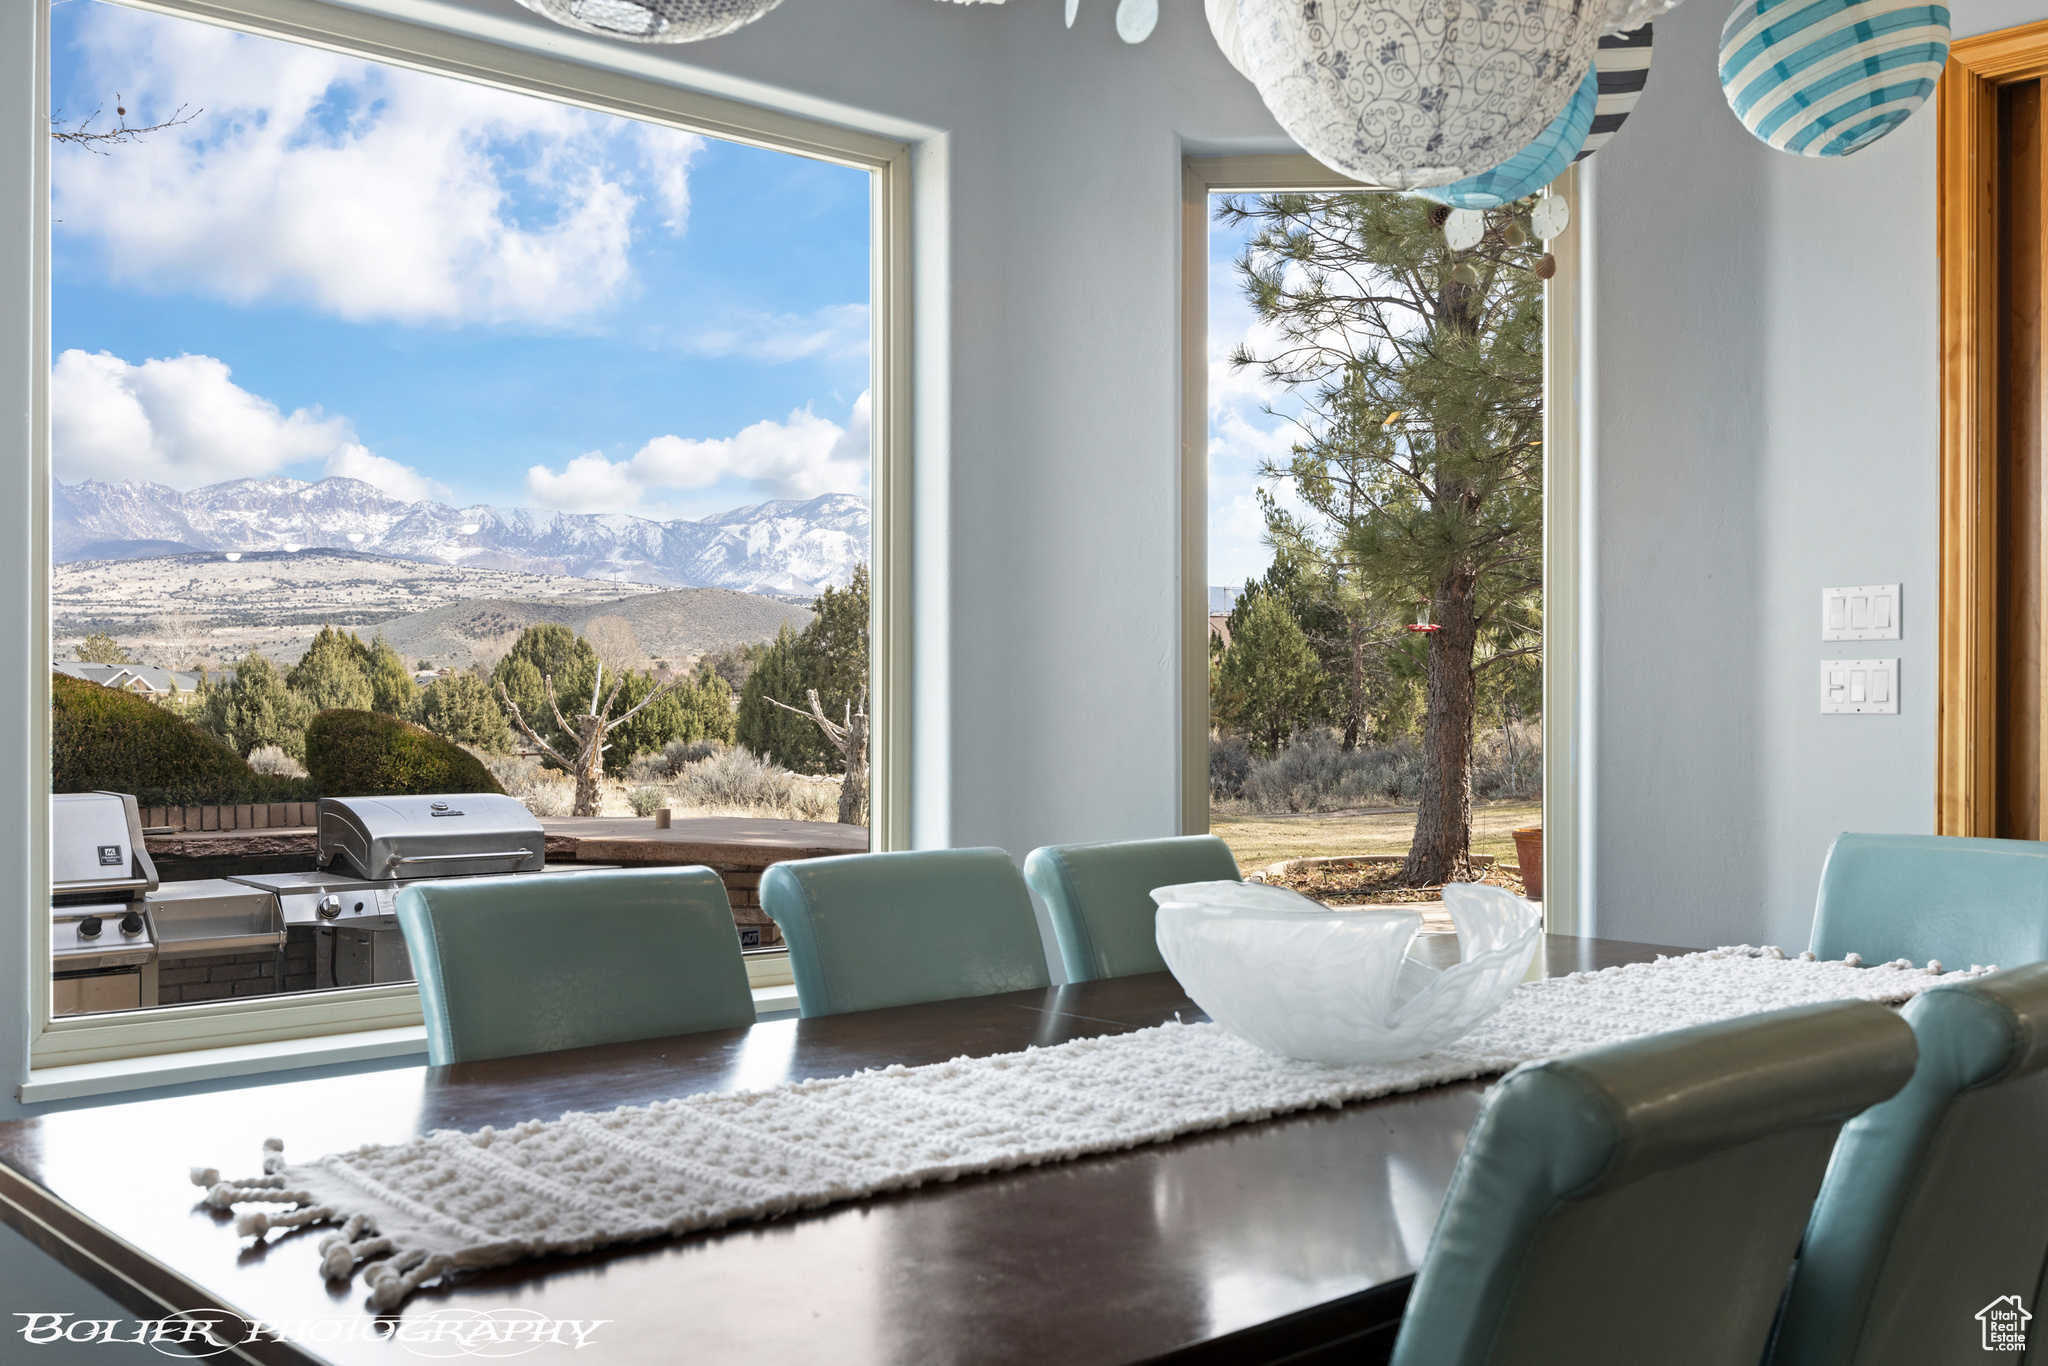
x: 422, y: 449
x: 1367, y: 673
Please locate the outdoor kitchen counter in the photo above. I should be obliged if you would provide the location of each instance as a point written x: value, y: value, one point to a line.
x: 712, y: 841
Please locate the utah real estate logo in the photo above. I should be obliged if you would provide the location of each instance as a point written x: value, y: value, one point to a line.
x: 2005, y: 1324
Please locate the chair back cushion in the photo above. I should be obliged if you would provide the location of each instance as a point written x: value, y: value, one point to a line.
x: 1643, y: 1201
x: 1937, y: 1200
x: 1101, y: 902
x: 531, y: 964
x: 872, y: 930
x: 1961, y: 901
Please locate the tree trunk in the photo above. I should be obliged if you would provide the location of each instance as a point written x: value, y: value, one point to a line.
x: 1443, y: 827
x: 1354, y: 705
x: 590, y: 765
x: 853, y: 790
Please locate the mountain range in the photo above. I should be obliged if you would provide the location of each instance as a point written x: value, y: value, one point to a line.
x: 785, y: 547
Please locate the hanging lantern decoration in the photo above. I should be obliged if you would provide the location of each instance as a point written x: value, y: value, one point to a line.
x: 1536, y: 165
x: 653, y: 21
x: 1623, y: 62
x: 1829, y: 78
x: 1223, y: 24
x: 1412, y: 93
x: 1626, y: 16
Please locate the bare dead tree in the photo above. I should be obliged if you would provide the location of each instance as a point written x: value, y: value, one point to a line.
x: 84, y: 135
x: 851, y: 740
x: 589, y: 730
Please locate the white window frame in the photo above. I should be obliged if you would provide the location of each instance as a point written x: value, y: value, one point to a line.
x: 615, y: 79
x: 1203, y: 177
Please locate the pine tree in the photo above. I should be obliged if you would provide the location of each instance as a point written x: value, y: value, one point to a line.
x: 766, y: 729
x: 546, y: 650
x: 101, y: 648
x: 334, y: 672
x: 461, y: 708
x: 256, y: 708
x: 392, y: 690
x: 1268, y: 683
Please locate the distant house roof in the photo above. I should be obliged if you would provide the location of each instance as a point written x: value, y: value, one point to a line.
x: 145, y: 679
x: 1219, y: 626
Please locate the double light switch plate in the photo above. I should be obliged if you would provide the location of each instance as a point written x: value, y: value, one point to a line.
x: 1859, y: 687
x: 1866, y: 612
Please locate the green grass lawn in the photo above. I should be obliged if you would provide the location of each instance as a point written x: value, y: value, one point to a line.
x: 1258, y: 840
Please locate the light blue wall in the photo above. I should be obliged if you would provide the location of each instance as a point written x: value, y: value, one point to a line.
x: 1766, y: 349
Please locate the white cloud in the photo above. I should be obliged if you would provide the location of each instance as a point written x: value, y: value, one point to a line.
x: 183, y: 421
x: 799, y: 458
x: 400, y: 481
x: 366, y: 191
x: 835, y: 332
x: 179, y: 421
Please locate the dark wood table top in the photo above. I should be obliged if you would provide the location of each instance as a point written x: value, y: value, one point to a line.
x: 1243, y: 1244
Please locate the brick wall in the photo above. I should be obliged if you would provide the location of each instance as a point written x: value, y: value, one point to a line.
x: 275, y: 816
x: 216, y: 977
x: 743, y: 889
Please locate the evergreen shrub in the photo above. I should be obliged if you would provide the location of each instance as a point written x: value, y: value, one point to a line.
x: 365, y: 754
x: 106, y: 740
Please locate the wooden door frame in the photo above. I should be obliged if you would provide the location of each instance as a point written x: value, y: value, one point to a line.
x: 1966, y: 242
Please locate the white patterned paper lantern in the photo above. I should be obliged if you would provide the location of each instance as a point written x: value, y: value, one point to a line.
x: 1824, y: 78
x: 654, y: 21
x: 1411, y: 93
x: 1536, y: 165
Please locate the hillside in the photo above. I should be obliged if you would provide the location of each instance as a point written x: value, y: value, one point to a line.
x: 170, y: 609
x: 674, y: 626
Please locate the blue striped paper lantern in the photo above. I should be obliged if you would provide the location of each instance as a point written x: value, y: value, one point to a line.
x: 1536, y: 165
x: 1623, y: 66
x: 1824, y: 78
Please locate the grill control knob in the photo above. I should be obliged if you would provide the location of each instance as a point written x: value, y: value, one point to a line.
x: 89, y: 928
x: 329, y: 907
x: 131, y: 923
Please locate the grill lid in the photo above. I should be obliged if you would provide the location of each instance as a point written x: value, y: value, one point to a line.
x: 403, y: 838
x: 96, y: 844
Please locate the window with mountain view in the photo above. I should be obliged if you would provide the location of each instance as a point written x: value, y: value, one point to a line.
x: 402, y: 428
x: 1375, y: 545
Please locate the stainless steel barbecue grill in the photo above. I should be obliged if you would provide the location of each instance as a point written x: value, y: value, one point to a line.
x: 369, y: 847
x: 113, y: 926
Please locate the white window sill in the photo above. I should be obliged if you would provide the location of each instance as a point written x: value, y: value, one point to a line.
x: 77, y: 1080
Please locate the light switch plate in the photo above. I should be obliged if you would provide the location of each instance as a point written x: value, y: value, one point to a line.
x: 1866, y: 612
x: 1859, y: 687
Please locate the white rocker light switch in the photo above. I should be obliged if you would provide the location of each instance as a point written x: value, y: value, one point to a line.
x: 1859, y: 687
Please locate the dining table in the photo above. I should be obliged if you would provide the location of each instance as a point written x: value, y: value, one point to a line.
x: 1293, y: 1239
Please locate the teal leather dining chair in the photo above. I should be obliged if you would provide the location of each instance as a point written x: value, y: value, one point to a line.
x: 512, y: 965
x: 1960, y: 901
x: 872, y: 930
x: 1100, y: 896
x: 1936, y: 1203
x: 1642, y: 1201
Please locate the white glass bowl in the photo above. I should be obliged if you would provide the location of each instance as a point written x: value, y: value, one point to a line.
x: 1302, y: 980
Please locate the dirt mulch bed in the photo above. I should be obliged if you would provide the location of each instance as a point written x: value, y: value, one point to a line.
x: 1375, y: 882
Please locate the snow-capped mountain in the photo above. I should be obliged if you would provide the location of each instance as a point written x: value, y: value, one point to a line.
x: 780, y: 547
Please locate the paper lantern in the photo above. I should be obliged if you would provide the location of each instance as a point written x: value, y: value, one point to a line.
x: 653, y: 21
x: 1409, y: 93
x: 1223, y: 24
x: 1536, y: 165
x: 1824, y: 78
x: 1623, y: 63
x: 1626, y: 16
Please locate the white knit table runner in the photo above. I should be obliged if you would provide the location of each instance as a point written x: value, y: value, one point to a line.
x: 453, y: 1200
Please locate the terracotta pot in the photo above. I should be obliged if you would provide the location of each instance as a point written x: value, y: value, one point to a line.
x: 1529, y: 854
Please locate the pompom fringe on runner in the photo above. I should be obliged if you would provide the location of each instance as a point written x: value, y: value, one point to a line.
x: 408, y: 1213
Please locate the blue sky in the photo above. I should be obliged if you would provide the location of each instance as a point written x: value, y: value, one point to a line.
x: 453, y: 292
x: 1241, y: 432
